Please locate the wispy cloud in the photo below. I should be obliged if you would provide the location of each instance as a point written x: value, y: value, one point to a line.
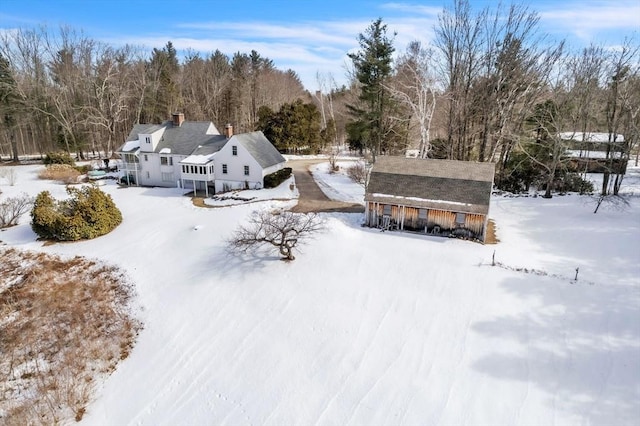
x: 413, y: 8
x: 311, y: 46
x: 319, y: 32
x: 587, y: 20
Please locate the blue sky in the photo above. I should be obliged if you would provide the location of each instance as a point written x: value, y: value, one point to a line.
x: 308, y: 36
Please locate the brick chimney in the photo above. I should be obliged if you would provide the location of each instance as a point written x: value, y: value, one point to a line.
x: 178, y: 119
x: 228, y: 131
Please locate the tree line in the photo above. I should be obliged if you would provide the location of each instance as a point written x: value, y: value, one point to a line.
x: 63, y: 90
x: 491, y: 86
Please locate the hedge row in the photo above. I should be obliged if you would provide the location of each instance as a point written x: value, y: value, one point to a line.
x: 276, y: 178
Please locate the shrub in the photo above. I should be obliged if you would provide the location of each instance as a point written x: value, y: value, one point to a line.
x: 9, y: 173
x: 59, y: 157
x: 13, y: 208
x: 358, y: 173
x: 87, y: 214
x: 276, y: 178
x: 573, y: 182
x: 60, y: 172
x: 83, y: 169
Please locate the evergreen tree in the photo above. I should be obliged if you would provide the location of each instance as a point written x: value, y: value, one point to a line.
x: 372, y: 67
x: 295, y: 128
x: 163, y: 97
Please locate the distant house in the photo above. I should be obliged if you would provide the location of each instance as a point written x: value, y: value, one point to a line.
x: 595, y: 151
x: 436, y: 197
x: 194, y: 155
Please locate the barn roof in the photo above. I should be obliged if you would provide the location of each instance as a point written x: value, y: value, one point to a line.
x: 459, y: 186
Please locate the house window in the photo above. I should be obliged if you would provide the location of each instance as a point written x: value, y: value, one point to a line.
x: 167, y: 177
x: 192, y: 169
x: 148, y: 175
x: 146, y: 158
x: 147, y: 139
x: 202, y: 170
x: 460, y: 218
x: 234, y: 150
x: 184, y: 169
x: 211, y: 170
x: 246, y: 170
x: 224, y: 169
x: 164, y: 161
x: 171, y: 161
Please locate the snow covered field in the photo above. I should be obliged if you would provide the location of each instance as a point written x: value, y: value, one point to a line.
x: 371, y: 328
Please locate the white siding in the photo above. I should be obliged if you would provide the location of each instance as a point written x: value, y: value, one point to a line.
x: 235, y: 177
x: 157, y: 171
x: 154, y: 137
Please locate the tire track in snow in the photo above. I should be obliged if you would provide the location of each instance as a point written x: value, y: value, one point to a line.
x: 358, y: 362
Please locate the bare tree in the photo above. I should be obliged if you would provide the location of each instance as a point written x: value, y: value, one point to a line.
x: 11, y: 209
x: 611, y: 201
x: 624, y: 68
x: 280, y: 231
x: 358, y: 173
x: 458, y: 39
x: 415, y: 87
x: 9, y: 174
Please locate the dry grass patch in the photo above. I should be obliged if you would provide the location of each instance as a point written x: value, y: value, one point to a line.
x: 61, y: 172
x: 491, y: 237
x: 63, y: 324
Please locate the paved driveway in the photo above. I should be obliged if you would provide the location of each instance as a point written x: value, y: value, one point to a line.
x: 311, y: 198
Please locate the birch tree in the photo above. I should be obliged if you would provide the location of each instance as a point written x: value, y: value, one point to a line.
x: 415, y: 87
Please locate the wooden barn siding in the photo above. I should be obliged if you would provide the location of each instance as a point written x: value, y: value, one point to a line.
x: 376, y: 210
x: 443, y: 219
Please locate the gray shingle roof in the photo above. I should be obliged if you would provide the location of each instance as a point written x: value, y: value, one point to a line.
x: 214, y: 144
x: 260, y: 148
x: 460, y: 186
x: 180, y: 140
x: 184, y: 139
x: 142, y: 128
x: 191, y: 139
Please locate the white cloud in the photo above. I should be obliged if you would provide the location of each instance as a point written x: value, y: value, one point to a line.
x: 309, y: 47
x: 587, y: 19
x: 413, y: 8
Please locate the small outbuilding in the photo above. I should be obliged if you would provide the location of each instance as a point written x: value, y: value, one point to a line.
x: 437, y: 197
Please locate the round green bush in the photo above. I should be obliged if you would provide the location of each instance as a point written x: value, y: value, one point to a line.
x: 87, y: 214
x: 59, y: 157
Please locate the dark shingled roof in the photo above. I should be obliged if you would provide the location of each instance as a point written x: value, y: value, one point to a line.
x: 260, y: 148
x: 460, y: 186
x: 180, y: 140
x: 214, y: 144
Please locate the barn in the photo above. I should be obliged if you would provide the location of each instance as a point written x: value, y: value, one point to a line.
x: 436, y: 197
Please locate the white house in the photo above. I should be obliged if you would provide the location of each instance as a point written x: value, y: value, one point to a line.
x: 195, y: 155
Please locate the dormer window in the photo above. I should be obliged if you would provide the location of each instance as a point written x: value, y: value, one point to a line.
x: 234, y: 150
x: 147, y: 139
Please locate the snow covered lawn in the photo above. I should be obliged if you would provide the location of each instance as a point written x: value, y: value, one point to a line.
x: 370, y: 328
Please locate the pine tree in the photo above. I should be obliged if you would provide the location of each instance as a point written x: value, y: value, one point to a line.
x: 372, y: 67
